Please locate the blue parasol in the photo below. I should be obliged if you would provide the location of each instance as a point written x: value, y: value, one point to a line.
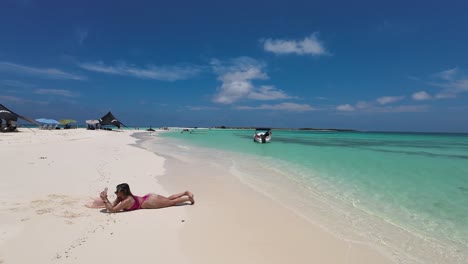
x: 47, y: 121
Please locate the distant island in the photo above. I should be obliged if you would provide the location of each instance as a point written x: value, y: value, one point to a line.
x: 285, y: 128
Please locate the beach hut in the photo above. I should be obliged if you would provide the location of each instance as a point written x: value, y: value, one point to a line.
x: 109, y: 119
x: 10, y: 119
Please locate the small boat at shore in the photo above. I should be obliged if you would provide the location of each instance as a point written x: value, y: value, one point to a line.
x: 262, y: 135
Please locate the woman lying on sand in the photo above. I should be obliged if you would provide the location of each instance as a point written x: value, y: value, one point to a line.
x: 126, y: 201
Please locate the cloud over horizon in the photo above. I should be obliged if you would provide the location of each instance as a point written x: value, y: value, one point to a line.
x: 345, y: 108
x: 421, y: 95
x: 293, y: 107
x: 380, y: 105
x: 389, y: 99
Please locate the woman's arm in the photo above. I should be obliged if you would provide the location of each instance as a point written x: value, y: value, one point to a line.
x: 116, y: 202
x: 117, y: 206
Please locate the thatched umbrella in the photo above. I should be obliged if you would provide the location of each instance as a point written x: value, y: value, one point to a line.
x: 67, y: 121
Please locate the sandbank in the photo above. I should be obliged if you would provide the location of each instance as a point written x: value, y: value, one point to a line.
x: 48, y: 176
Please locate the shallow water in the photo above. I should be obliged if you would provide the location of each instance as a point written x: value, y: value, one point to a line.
x: 404, y: 193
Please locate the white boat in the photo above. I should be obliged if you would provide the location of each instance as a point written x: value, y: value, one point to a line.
x: 262, y: 135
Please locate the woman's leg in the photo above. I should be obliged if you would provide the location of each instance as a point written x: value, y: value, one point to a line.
x: 158, y: 201
x: 186, y: 193
x: 162, y: 202
x: 178, y: 195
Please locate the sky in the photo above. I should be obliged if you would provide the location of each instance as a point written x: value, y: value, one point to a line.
x: 364, y: 65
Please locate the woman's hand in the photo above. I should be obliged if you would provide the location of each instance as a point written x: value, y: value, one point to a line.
x: 103, y: 194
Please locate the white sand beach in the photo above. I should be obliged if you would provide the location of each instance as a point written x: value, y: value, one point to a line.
x: 46, y: 178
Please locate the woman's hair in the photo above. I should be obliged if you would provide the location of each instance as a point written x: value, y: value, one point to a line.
x: 124, y: 188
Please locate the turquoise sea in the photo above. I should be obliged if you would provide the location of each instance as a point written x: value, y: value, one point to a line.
x: 406, y: 194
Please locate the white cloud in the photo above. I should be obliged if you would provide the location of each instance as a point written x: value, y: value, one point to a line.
x: 420, y: 96
x: 39, y: 72
x: 233, y: 91
x: 345, y: 108
x: 447, y: 75
x: 267, y: 93
x: 389, y: 99
x: 161, y: 73
x: 13, y: 99
x: 202, y: 108
x: 381, y: 107
x: 402, y: 109
x: 363, y: 104
x: 452, y: 89
x: 237, y: 81
x: 15, y: 84
x: 293, y: 107
x: 453, y: 83
x: 445, y: 95
x: 321, y: 98
x: 99, y: 67
x: 60, y: 92
x: 461, y: 85
x: 308, y: 46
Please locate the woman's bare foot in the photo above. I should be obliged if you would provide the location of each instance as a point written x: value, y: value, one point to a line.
x: 191, y: 197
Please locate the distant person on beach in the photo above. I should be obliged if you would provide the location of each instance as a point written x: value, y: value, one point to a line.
x: 126, y: 201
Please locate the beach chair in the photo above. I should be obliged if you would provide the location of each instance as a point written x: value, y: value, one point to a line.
x: 13, y: 129
x: 11, y: 126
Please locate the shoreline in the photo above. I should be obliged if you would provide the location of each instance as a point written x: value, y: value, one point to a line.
x: 309, y: 193
x: 241, y: 216
x: 56, y: 173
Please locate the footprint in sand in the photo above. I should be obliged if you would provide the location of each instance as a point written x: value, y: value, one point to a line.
x: 16, y: 209
x: 44, y: 211
x: 102, y: 172
x: 67, y: 253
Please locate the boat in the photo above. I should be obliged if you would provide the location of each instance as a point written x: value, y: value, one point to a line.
x: 262, y: 135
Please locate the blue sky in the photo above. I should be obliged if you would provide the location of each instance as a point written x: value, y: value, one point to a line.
x: 366, y: 65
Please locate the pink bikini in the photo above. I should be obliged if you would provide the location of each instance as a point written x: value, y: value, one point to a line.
x: 137, y: 205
